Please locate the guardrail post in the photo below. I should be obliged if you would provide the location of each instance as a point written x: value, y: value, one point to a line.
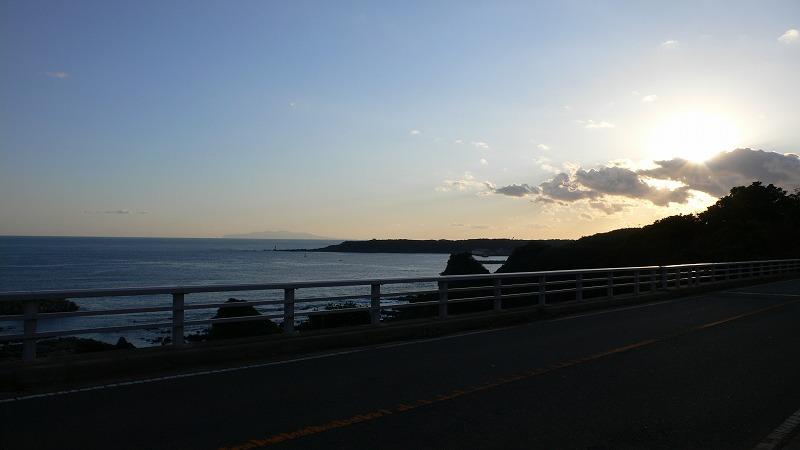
x: 30, y: 309
x: 288, y: 311
x: 652, y: 281
x: 579, y: 287
x: 177, y: 319
x: 664, y: 279
x: 498, y: 294
x: 375, y: 304
x: 442, y: 299
x: 636, y: 283
x: 610, y: 285
x: 542, y: 290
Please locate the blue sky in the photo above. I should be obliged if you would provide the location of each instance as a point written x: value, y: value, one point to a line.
x: 391, y: 119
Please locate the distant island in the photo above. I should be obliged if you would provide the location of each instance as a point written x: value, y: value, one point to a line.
x: 280, y: 234
x: 478, y: 247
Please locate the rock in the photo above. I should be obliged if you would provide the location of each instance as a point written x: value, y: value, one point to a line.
x: 458, y: 264
x: 463, y: 264
x: 240, y: 329
x: 123, y: 343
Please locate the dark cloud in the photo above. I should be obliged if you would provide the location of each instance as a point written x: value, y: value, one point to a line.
x: 627, y: 183
x: 547, y: 201
x: 726, y: 170
x: 516, y: 190
x: 715, y: 177
x: 612, y: 180
x: 607, y: 207
x: 562, y: 187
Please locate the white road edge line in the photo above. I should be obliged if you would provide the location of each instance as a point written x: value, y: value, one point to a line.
x: 328, y: 355
x: 772, y: 294
x: 779, y: 435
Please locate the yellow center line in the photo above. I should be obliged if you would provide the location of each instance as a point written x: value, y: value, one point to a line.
x: 403, y: 407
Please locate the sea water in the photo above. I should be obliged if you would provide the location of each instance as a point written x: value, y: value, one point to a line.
x: 44, y: 263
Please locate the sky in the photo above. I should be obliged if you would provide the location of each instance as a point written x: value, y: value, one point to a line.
x: 360, y: 120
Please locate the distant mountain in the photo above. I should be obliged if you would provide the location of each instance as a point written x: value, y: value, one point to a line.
x: 280, y: 234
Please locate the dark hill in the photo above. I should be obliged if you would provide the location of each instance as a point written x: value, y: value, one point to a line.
x: 751, y: 223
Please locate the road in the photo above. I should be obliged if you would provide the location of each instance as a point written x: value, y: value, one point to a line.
x: 713, y: 371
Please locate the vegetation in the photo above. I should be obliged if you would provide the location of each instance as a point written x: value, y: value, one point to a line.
x: 63, y: 346
x: 320, y: 320
x: 13, y: 307
x: 752, y: 222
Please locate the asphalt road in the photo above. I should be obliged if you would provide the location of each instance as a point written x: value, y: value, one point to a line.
x: 716, y: 371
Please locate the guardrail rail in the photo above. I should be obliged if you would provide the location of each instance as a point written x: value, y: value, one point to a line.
x: 497, y: 289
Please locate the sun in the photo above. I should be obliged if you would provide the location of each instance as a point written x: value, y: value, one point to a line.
x: 695, y: 136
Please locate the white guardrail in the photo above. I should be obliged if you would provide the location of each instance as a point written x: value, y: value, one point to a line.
x: 528, y: 288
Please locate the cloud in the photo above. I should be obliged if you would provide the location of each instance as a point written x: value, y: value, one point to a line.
x: 481, y: 145
x: 483, y: 161
x: 59, y: 75
x: 468, y: 182
x: 544, y: 164
x: 725, y: 170
x: 414, y: 132
x: 116, y: 211
x: 671, y: 43
x: 790, y: 36
x: 608, y: 207
x: 671, y: 181
x: 543, y: 147
x: 649, y: 98
x: 468, y: 225
x: 591, y: 124
x: 516, y: 190
x: 614, y: 188
x: 619, y: 181
x: 562, y: 187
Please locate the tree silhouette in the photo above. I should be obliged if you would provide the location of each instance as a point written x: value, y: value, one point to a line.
x: 751, y: 222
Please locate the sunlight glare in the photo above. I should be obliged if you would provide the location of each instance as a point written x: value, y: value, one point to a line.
x: 694, y: 136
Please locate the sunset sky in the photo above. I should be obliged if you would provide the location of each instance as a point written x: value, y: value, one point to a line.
x: 389, y: 119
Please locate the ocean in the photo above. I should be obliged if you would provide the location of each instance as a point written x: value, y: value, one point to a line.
x: 40, y: 263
